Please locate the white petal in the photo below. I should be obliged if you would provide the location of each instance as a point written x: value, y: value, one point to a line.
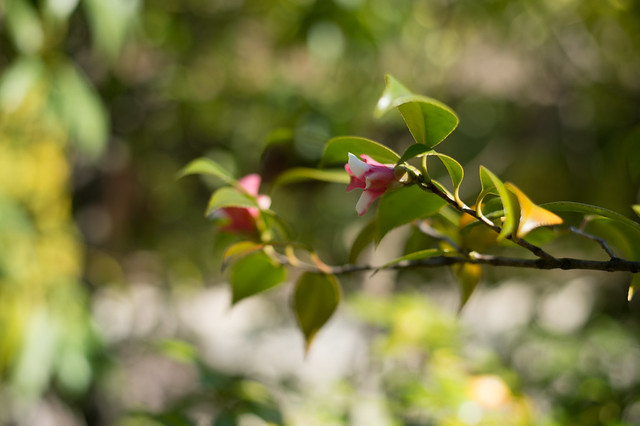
x: 357, y: 166
x: 364, y: 202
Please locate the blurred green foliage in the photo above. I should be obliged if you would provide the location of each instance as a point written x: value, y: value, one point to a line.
x: 104, y: 101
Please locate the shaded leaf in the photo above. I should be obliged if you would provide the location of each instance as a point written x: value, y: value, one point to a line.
x: 315, y: 299
x: 491, y: 184
x: 254, y: 274
x: 616, y: 234
x: 206, y: 166
x: 573, y: 207
x: 468, y: 275
x: 337, y: 150
x: 429, y: 121
x: 413, y: 151
x: 365, y: 237
x: 531, y: 215
x: 418, y: 255
x: 229, y: 197
x: 404, y: 205
x: 301, y: 174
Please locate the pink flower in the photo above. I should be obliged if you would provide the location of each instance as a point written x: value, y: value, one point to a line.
x: 375, y: 178
x: 243, y: 219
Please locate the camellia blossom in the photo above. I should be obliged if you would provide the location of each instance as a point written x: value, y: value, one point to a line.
x: 375, y: 178
x: 243, y: 219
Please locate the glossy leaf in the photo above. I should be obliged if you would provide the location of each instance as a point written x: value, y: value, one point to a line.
x: 573, y: 207
x: 636, y: 209
x: 429, y: 121
x: 468, y: 275
x: 365, y: 237
x: 206, y: 166
x: 413, y: 151
x: 301, y: 174
x: 418, y: 255
x: 253, y: 274
x: 531, y: 215
x: 492, y: 184
x: 337, y: 150
x: 239, y: 250
x: 617, y: 234
x: 400, y: 207
x: 229, y: 197
x: 315, y: 299
x: 455, y: 170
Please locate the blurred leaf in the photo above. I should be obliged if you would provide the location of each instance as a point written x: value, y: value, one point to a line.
x: 61, y: 9
x: 531, y: 215
x: 616, y: 234
x: 315, y: 299
x: 81, y: 110
x: 491, y: 184
x: 206, y: 166
x: 253, y: 274
x: 468, y: 275
x: 429, y: 121
x: 337, y: 150
x: 633, y: 286
x: 636, y: 209
x: 24, y: 25
x: 239, y: 250
x: 404, y: 205
x: 17, y: 80
x: 229, y: 197
x: 455, y: 170
x: 111, y: 21
x: 169, y: 418
x: 301, y: 174
x: 365, y: 237
x: 422, y: 254
x: 178, y: 350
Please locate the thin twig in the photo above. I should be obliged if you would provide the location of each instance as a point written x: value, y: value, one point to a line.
x: 600, y: 241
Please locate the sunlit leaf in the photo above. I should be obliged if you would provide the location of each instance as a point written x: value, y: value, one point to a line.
x: 633, y: 286
x: 418, y: 255
x: 301, y: 174
x: 455, y: 170
x: 17, y: 80
x: 110, y: 23
x: 429, y: 121
x: 337, y: 150
x: 365, y: 237
x: 24, y: 25
x: 468, y: 275
x: 531, y: 215
x: 253, y: 274
x: 229, y: 197
x: 636, y: 209
x: 492, y: 184
x: 239, y: 250
x: 400, y: 207
x: 315, y: 299
x: 206, y: 166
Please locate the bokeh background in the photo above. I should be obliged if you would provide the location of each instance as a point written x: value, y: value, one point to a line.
x: 113, y: 310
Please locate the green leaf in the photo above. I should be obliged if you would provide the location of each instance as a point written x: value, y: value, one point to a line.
x: 301, y: 174
x: 617, y: 234
x: 239, y: 250
x: 455, y: 170
x: 491, y: 184
x: 18, y: 79
x: 468, y: 275
x: 400, y: 207
x: 573, y: 207
x: 206, y: 166
x: 24, y: 26
x: 413, y: 151
x: 315, y: 299
x: 365, y: 237
x: 418, y: 255
x: 110, y: 22
x: 429, y: 121
x: 337, y: 150
x: 253, y: 274
x: 229, y: 197
x: 636, y: 209
x: 80, y: 109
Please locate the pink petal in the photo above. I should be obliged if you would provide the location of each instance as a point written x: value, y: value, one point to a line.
x: 366, y: 199
x: 251, y: 184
